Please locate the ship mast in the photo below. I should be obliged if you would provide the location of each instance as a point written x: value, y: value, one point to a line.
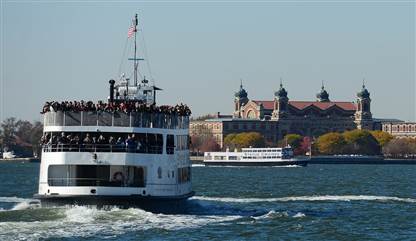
x: 136, y: 63
x: 135, y: 59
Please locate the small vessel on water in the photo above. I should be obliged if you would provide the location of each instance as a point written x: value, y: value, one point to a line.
x: 127, y: 152
x: 255, y: 157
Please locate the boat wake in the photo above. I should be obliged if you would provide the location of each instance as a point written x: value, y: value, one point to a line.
x: 27, y: 220
x: 82, y: 221
x: 343, y: 198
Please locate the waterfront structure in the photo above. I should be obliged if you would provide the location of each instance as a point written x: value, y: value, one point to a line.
x: 280, y: 116
x: 127, y: 152
x: 400, y: 129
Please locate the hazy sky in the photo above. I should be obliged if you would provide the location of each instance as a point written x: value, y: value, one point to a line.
x: 199, y: 51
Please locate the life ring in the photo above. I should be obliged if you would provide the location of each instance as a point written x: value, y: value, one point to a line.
x: 118, y: 176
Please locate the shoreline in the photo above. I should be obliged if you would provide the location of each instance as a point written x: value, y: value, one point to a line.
x: 363, y: 160
x: 20, y: 159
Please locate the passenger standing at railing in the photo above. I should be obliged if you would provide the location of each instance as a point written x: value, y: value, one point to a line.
x: 111, y: 142
x: 120, y: 145
x: 62, y: 140
x: 130, y: 144
x: 87, y: 142
x: 67, y: 146
x: 101, y: 143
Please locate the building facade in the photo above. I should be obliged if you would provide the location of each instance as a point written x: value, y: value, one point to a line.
x: 400, y: 129
x: 280, y: 116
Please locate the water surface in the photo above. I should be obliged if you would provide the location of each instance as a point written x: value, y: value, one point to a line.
x: 319, y: 202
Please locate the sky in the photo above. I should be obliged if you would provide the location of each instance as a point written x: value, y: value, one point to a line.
x: 198, y: 51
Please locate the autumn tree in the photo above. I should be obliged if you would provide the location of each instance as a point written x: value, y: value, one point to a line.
x: 400, y: 148
x: 243, y: 140
x: 305, y: 146
x: 294, y: 140
x: 331, y: 143
x: 8, y: 127
x: 382, y: 137
x: 204, y: 143
x: 210, y: 144
x: 20, y: 136
x: 229, y: 141
x: 361, y: 142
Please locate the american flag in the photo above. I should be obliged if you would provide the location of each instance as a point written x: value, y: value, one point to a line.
x: 130, y: 32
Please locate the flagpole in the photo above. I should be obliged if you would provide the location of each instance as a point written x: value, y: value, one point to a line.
x: 135, y: 50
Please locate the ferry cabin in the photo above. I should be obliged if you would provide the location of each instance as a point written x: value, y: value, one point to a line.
x: 251, y: 154
x: 151, y: 160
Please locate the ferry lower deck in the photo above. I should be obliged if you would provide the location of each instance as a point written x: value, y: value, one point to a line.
x: 287, y: 162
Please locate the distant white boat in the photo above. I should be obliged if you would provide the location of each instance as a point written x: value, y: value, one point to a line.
x: 255, y: 157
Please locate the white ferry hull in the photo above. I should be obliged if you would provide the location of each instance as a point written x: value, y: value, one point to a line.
x: 160, y: 204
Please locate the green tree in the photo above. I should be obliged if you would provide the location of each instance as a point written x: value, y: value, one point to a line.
x: 361, y: 142
x: 382, y: 137
x: 1, y: 139
x: 294, y: 140
x: 245, y: 139
x: 23, y: 132
x: 9, y: 127
x: 229, y: 141
x: 331, y: 143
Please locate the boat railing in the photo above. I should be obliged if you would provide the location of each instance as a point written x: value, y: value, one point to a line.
x: 116, y: 119
x: 148, y: 149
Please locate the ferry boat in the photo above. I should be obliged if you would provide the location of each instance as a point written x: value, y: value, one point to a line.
x: 255, y: 157
x: 127, y: 152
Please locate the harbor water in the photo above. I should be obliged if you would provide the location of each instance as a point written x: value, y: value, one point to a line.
x: 318, y: 202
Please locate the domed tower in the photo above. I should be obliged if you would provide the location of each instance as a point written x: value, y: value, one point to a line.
x: 281, y: 103
x: 240, y: 100
x: 323, y: 96
x: 363, y: 116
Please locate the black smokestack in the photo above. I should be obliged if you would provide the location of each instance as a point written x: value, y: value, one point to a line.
x: 112, y: 82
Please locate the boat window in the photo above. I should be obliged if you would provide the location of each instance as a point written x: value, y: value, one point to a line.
x: 182, y: 142
x: 170, y: 144
x: 232, y: 158
x: 96, y: 175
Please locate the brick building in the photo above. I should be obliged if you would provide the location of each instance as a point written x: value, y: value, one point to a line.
x: 400, y: 129
x: 280, y: 116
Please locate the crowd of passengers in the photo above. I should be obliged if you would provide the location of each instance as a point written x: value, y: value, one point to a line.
x: 100, y: 143
x: 124, y: 106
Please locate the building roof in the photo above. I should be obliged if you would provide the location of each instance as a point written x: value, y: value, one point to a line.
x: 267, y: 104
x: 323, y: 105
x: 389, y: 120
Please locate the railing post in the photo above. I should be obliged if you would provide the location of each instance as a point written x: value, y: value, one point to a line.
x: 54, y: 119
x: 130, y: 118
x: 82, y: 117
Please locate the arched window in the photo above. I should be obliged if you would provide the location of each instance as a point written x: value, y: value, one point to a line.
x: 251, y: 114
